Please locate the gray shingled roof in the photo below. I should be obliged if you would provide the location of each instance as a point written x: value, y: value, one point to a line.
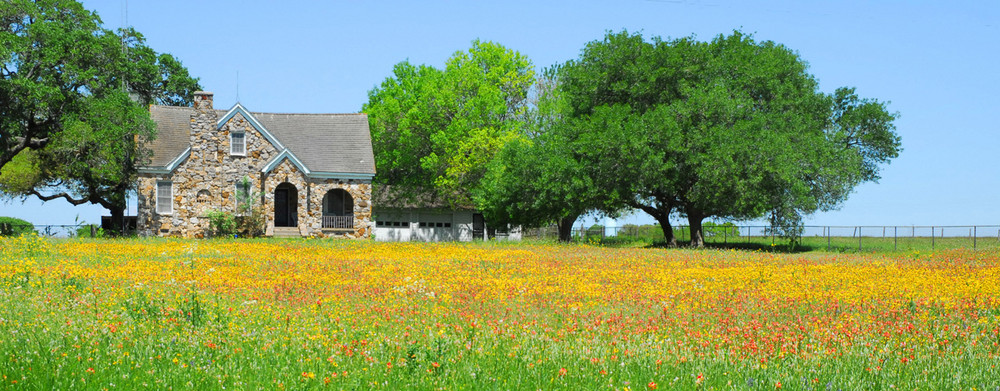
x: 323, y: 142
x: 173, y: 126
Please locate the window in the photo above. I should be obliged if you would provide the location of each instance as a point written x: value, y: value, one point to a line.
x: 338, y: 202
x: 164, y: 197
x: 237, y: 143
x: 204, y: 196
x: 432, y: 224
x: 392, y: 224
x: 242, y: 194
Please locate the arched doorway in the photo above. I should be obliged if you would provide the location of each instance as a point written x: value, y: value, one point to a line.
x: 338, y: 209
x: 286, y: 205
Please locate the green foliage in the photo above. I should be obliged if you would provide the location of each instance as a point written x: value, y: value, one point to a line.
x: 83, y: 231
x: 12, y: 226
x: 221, y: 224
x: 73, y: 99
x: 539, y: 179
x: 728, y: 229
x: 733, y: 128
x: 250, y: 217
x: 439, y: 128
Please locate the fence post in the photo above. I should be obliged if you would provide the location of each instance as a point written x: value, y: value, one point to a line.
x: 93, y: 231
x: 974, y: 234
x: 725, y: 236
x: 932, y: 237
x: 895, y: 239
x: 827, y: 238
x: 859, y: 239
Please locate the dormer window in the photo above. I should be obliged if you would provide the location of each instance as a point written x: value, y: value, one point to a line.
x: 238, y: 143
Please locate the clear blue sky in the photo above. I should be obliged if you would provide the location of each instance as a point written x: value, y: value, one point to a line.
x: 937, y: 62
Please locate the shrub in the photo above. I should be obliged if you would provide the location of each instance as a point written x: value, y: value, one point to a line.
x: 221, y: 223
x: 83, y: 231
x: 12, y: 226
x: 250, y: 220
x: 251, y: 224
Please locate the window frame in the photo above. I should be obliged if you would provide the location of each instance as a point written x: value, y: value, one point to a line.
x: 170, y: 196
x: 236, y: 195
x: 243, y: 145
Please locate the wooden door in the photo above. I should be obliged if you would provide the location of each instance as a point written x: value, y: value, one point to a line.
x: 478, y: 226
x: 281, y: 208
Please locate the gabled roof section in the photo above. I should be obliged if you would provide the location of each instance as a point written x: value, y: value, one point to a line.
x: 173, y: 134
x: 286, y: 154
x: 336, y: 143
x: 170, y: 167
x: 320, y: 145
x: 239, y: 109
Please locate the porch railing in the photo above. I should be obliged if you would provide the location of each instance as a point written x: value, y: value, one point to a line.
x: 338, y: 221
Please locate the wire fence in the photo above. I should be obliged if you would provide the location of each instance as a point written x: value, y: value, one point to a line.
x: 60, y: 230
x: 827, y: 237
x: 830, y: 238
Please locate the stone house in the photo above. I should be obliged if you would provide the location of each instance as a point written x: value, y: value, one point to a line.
x: 313, y: 172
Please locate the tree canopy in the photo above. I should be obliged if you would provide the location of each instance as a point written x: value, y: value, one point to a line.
x: 730, y: 128
x: 73, y: 99
x: 434, y: 130
x: 539, y: 179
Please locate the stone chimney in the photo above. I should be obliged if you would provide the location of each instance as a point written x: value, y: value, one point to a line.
x: 203, y: 100
x: 202, y: 125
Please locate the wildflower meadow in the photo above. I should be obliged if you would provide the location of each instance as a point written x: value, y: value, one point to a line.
x: 305, y: 314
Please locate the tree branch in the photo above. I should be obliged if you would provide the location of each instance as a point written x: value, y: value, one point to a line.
x: 64, y: 195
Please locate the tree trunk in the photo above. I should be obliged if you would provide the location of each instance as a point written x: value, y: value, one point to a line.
x: 668, y: 230
x: 565, y: 226
x: 117, y: 219
x: 694, y: 223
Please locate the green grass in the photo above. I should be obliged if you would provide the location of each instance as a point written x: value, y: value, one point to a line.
x: 838, y: 244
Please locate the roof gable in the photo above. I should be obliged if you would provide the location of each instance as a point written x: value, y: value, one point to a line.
x: 239, y: 109
x: 286, y: 154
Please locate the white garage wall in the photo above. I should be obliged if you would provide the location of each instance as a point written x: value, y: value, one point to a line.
x: 404, y: 225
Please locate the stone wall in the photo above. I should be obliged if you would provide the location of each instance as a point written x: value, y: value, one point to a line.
x: 310, y: 193
x: 361, y: 193
x: 207, y: 180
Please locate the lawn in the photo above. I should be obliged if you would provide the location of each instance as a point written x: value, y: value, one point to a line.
x: 299, y: 314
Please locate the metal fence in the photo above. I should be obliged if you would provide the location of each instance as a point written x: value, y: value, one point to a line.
x: 830, y: 238
x: 813, y: 237
x: 58, y: 230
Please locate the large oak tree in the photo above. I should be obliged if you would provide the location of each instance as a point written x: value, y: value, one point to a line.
x: 73, y: 99
x: 732, y: 128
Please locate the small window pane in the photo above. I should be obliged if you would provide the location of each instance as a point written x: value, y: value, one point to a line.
x: 238, y: 143
x: 164, y: 197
